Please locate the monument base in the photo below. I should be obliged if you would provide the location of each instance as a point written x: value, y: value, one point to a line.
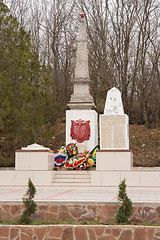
x: 114, y: 160
x: 34, y: 157
x: 81, y: 128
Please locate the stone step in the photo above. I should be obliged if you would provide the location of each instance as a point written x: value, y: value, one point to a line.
x: 83, y: 187
x: 72, y: 172
x: 72, y: 176
x: 72, y: 180
x: 71, y: 184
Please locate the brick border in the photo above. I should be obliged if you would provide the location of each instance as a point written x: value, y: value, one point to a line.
x: 104, y: 212
x: 76, y: 232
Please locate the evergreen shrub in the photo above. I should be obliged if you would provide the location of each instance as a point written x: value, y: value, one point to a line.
x: 125, y: 210
x: 29, y: 203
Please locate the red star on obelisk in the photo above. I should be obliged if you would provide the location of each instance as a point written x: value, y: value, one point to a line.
x: 82, y: 15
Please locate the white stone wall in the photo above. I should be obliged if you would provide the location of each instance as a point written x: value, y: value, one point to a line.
x: 20, y: 178
x: 142, y: 178
x: 114, y: 160
x: 34, y: 160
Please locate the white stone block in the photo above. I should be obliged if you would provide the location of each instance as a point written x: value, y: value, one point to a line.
x: 149, y: 178
x: 96, y: 178
x: 110, y: 178
x: 22, y: 160
x: 86, y: 115
x: 42, y: 178
x: 114, y: 133
x: 38, y: 160
x: 34, y: 160
x: 114, y: 160
x: 132, y: 178
x: 7, y: 178
x: 21, y: 177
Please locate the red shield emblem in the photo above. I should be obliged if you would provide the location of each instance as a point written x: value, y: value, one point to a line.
x: 80, y: 130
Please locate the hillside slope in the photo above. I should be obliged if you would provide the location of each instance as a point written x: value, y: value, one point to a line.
x: 144, y: 142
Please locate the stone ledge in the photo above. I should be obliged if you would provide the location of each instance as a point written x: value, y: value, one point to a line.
x: 32, y: 150
x: 115, y: 150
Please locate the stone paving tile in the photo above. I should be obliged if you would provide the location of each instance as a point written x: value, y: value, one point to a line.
x: 75, y: 195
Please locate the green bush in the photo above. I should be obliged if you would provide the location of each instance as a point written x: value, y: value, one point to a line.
x: 29, y: 203
x: 125, y: 210
x: 6, y: 161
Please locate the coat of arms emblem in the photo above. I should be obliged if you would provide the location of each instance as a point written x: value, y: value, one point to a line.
x: 80, y: 130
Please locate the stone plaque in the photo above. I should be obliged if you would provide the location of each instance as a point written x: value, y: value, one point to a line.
x: 114, y: 132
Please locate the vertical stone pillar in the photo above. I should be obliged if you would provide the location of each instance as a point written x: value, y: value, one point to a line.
x: 81, y: 119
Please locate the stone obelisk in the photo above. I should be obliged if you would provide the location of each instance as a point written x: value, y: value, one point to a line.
x: 81, y: 119
x: 81, y: 98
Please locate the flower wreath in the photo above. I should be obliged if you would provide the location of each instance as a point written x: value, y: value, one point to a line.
x: 93, y: 153
x: 60, y: 156
x: 71, y: 149
x: 76, y: 161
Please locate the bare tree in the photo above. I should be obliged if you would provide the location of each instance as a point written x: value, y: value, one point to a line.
x: 146, y: 35
x: 59, y: 29
x: 123, y: 44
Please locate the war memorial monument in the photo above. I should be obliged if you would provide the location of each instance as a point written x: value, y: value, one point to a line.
x: 89, y: 194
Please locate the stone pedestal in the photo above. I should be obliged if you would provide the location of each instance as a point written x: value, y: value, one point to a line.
x: 84, y: 132
x: 114, y: 160
x: 114, y: 132
x: 114, y: 136
x: 34, y: 157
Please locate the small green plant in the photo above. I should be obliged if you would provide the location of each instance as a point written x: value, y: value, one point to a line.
x: 125, y: 210
x: 57, y: 222
x: 29, y: 203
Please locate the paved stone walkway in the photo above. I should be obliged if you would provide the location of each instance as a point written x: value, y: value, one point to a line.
x: 50, y: 194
